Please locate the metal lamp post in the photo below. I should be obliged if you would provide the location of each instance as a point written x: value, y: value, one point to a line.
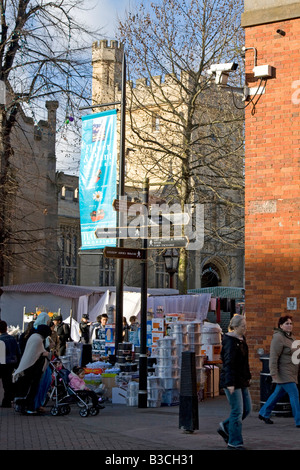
x: 171, y: 258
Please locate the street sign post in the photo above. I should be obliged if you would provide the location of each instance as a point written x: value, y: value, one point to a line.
x: 120, y: 205
x: 123, y: 253
x: 174, y: 242
x: 117, y: 232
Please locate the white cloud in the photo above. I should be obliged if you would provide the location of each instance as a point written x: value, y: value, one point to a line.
x: 104, y: 14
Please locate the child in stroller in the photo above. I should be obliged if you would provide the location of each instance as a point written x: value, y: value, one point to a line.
x: 77, y: 383
x: 64, y: 394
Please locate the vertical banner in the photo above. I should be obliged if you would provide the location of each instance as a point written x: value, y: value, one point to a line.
x: 98, y: 177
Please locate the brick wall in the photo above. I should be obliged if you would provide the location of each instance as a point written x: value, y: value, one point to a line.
x: 272, y: 200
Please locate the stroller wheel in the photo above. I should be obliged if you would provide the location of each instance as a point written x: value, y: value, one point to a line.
x: 55, y: 411
x: 65, y: 409
x: 94, y: 411
x: 84, y: 412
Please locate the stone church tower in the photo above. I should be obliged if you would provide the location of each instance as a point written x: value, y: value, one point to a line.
x: 107, y: 71
x: 224, y: 264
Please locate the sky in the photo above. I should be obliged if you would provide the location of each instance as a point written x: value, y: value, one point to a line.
x: 103, y: 14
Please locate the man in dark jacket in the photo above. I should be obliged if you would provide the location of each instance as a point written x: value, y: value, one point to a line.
x: 63, y: 333
x: 12, y: 358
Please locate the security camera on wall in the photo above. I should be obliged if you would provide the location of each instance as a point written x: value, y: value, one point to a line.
x: 224, y: 67
x: 220, y: 72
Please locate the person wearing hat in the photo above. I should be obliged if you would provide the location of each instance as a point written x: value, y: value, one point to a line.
x: 63, y: 333
x: 84, y: 328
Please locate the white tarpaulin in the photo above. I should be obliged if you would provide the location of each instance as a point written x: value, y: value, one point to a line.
x: 83, y: 306
x: 75, y: 333
x: 100, y: 307
x: 194, y: 307
x: 131, y: 304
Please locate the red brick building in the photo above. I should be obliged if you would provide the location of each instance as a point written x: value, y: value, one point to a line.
x: 272, y: 172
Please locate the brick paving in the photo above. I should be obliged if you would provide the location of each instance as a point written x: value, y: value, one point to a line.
x: 122, y: 428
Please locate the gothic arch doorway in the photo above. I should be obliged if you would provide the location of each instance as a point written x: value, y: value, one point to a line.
x: 210, y: 276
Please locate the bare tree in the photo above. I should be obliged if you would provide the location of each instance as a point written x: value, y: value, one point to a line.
x: 42, y: 57
x: 187, y: 132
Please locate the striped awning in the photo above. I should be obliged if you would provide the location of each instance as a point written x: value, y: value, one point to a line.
x: 221, y: 292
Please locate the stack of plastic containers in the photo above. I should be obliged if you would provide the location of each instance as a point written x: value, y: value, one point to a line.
x: 132, y: 394
x: 154, y: 391
x: 167, y: 369
x: 187, y: 336
x: 73, y: 355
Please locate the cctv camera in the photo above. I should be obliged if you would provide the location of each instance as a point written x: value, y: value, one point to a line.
x: 224, y: 67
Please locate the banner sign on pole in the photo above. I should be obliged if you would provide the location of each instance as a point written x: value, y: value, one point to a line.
x: 98, y: 177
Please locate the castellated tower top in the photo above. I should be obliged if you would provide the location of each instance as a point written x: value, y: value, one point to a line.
x: 107, y: 70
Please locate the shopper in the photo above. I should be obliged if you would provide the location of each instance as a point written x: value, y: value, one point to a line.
x: 84, y: 329
x: 25, y: 335
x: 63, y: 333
x: 94, y: 327
x: 100, y: 331
x: 30, y: 370
x: 12, y: 358
x: 42, y: 319
x: 235, y: 379
x: 283, y: 371
x: 125, y: 330
x: 133, y: 323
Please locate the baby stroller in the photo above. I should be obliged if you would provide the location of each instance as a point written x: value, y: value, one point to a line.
x: 64, y: 396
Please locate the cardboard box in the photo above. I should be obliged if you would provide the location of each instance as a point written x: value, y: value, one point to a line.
x: 119, y: 395
x: 110, y: 349
x: 212, y: 351
x: 109, y: 333
x: 212, y: 381
x: 109, y: 382
x: 156, y: 335
x: 171, y: 317
x: 158, y: 324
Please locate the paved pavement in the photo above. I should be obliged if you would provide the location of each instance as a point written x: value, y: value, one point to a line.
x: 120, y: 430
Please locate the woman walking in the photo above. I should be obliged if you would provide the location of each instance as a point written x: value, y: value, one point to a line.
x: 283, y: 371
x: 29, y: 372
x: 235, y: 379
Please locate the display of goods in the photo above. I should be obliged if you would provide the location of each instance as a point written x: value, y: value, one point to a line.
x: 125, y: 348
x: 66, y: 362
x: 166, y: 371
x: 154, y: 393
x: 153, y: 381
x: 211, y: 333
x: 166, y: 352
x: 129, y: 367
x: 153, y: 403
x: 132, y: 401
x: 166, y: 341
x: 170, y: 397
x: 95, y: 370
x: 171, y: 361
x: 169, y: 383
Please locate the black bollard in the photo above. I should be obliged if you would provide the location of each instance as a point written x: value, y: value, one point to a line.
x: 188, y: 400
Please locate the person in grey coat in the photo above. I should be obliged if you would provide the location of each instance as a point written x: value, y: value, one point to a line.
x: 283, y: 370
